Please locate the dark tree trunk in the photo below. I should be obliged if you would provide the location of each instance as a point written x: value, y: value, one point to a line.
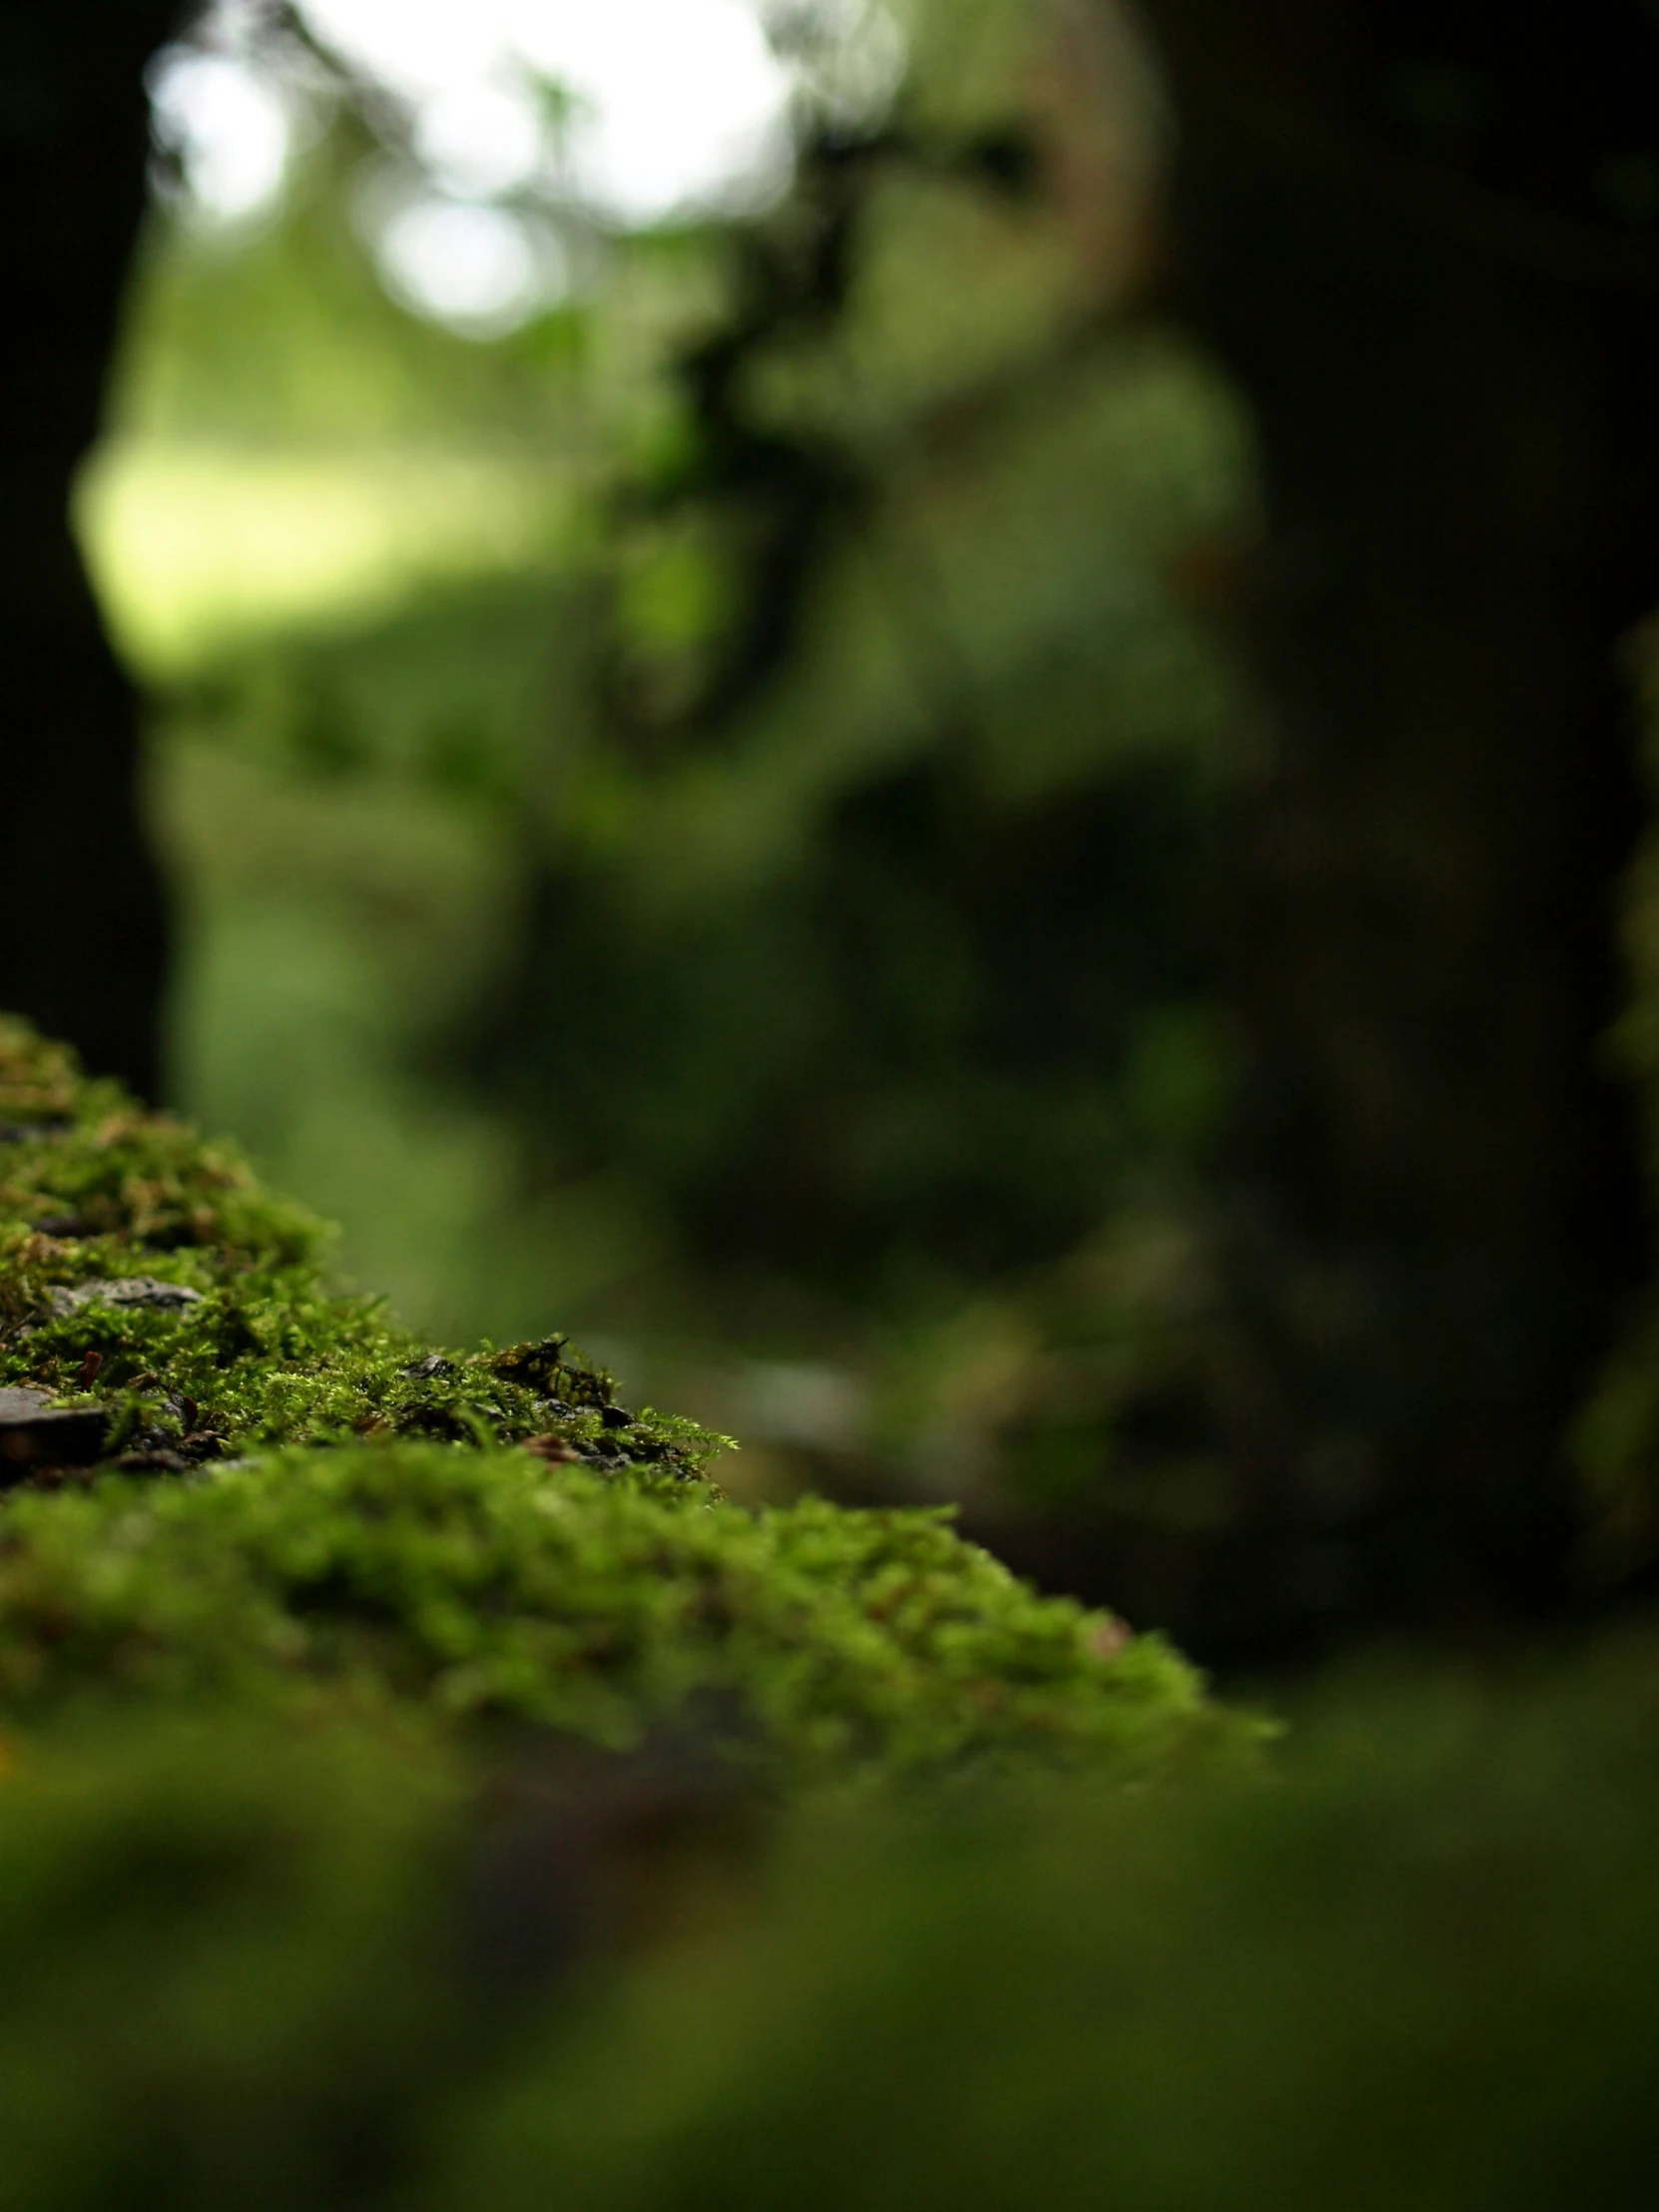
x: 1422, y: 239
x: 82, y: 930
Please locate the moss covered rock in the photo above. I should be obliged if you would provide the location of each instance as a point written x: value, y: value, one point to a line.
x: 148, y: 1275
x: 224, y: 1479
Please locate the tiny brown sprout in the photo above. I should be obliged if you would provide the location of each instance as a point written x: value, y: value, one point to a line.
x: 553, y: 1450
x: 1106, y: 1637
x: 88, y: 1370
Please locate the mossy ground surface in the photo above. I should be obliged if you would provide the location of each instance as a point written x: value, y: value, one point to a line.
x: 294, y: 1501
x: 361, y: 1703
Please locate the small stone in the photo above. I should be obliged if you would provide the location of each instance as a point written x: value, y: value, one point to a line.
x: 126, y: 1291
x: 433, y: 1369
x: 599, y: 1461
x: 35, y: 1433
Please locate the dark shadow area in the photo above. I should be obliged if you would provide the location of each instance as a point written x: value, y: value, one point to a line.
x: 81, y: 915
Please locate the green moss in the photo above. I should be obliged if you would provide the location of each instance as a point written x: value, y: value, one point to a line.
x: 95, y: 1192
x: 481, y: 1583
x: 298, y: 1503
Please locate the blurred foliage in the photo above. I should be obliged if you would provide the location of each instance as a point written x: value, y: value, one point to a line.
x: 1615, y: 1439
x: 693, y: 818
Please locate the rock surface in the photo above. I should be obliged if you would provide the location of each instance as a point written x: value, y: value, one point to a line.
x: 34, y: 1433
x: 126, y: 1289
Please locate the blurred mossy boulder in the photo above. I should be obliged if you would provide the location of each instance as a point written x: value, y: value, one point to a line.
x: 247, y: 1964
x: 222, y: 1954
x: 1420, y: 1967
